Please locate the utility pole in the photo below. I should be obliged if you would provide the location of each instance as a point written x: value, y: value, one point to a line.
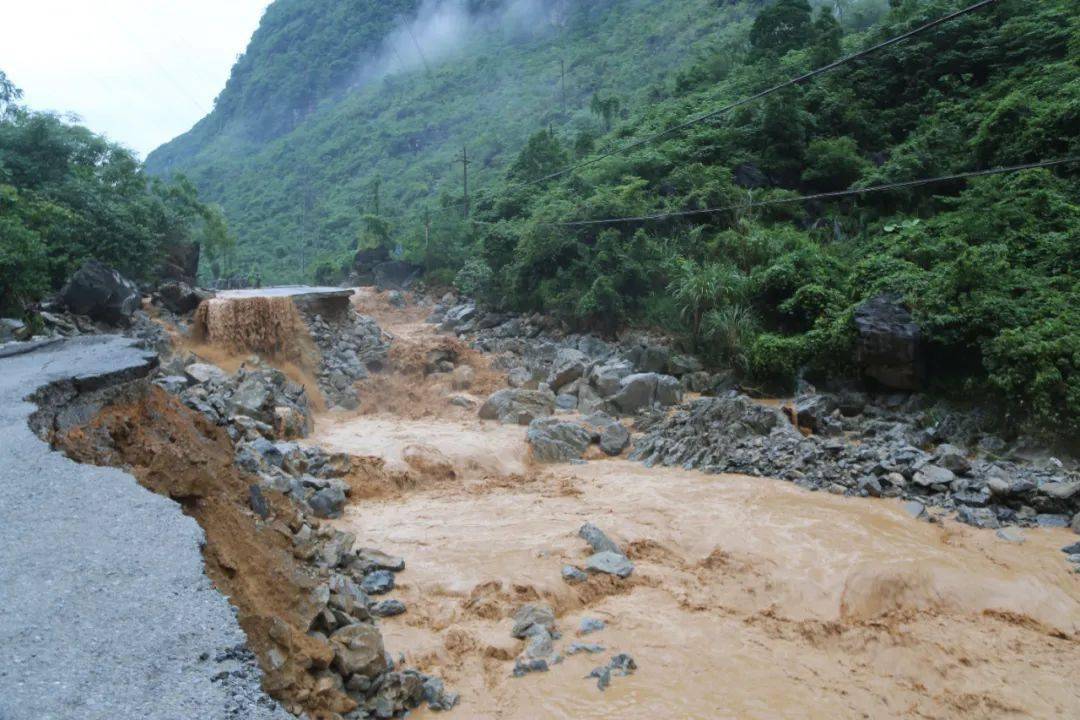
x: 465, y: 162
x: 562, y: 72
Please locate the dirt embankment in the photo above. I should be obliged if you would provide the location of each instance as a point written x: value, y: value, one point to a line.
x: 176, y: 452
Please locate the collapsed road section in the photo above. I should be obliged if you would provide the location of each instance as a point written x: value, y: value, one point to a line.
x: 107, y: 610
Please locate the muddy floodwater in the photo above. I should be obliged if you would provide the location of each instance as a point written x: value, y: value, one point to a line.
x: 751, y: 598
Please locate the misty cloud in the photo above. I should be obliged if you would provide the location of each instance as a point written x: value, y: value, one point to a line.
x: 441, y: 28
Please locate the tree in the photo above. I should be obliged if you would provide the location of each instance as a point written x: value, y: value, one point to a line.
x: 605, y: 108
x: 827, y: 36
x: 783, y: 26
x: 542, y: 155
x: 833, y: 164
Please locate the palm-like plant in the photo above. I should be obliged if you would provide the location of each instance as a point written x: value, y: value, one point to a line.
x: 731, y: 329
x: 699, y: 288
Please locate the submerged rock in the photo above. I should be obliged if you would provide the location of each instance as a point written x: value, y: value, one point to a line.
x: 610, y: 563
x: 517, y: 406
x: 557, y: 441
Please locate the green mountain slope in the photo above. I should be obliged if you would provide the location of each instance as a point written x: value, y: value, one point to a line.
x: 300, y: 134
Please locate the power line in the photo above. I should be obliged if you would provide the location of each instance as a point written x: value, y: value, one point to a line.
x: 739, y: 103
x: 775, y: 88
x: 819, y: 196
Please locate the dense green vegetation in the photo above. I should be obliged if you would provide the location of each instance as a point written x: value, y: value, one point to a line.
x: 990, y: 266
x: 68, y: 195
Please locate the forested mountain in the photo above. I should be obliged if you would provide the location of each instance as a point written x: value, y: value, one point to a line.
x: 339, y: 106
x: 358, y: 156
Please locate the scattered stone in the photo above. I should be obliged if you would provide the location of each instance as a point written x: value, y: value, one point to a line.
x: 1051, y: 520
x: 525, y: 665
x: 519, y: 377
x: 610, y: 563
x: 378, y: 560
x: 557, y: 441
x: 388, y: 608
x: 200, y: 373
x: 518, y: 407
x: 1011, y: 535
x: 614, y: 439
x: 530, y: 616
x: 258, y: 503
x: 328, y: 503
x: 623, y: 664
x: 358, y: 650
x: 953, y: 459
x: 569, y: 365
x: 597, y: 539
x: 590, y: 625
x: 930, y: 475
x: 915, y: 509
x: 591, y: 648
x: 573, y: 575
x: 377, y: 582
x: 602, y: 675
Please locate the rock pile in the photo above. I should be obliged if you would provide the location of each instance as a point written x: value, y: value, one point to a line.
x: 255, y: 402
x: 864, y: 450
x: 352, y: 345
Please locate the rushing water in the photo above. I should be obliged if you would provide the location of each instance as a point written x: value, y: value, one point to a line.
x: 751, y: 597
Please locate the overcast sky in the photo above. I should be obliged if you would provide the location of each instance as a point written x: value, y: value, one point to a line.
x: 140, y: 71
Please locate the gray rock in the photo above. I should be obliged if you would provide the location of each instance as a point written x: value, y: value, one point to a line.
x: 606, y: 378
x: 870, y: 485
x: 519, y: 377
x: 1073, y: 549
x: 930, y: 475
x: 532, y: 615
x: 669, y: 391
x: 622, y: 664
x: 566, y: 402
x: 610, y: 563
x: 952, y: 458
x: 101, y: 293
x: 614, y: 439
x: 889, y: 343
x: 524, y: 666
x: 978, y: 517
x: 200, y: 373
x: 172, y: 384
x: 379, y: 560
x: 653, y: 359
x: 1060, y: 490
x: 573, y: 575
x: 590, y: 648
x: 539, y: 643
x: 1052, y: 520
x: 388, y: 608
x: 1011, y: 535
x: 328, y: 503
x: 358, y: 650
x: 557, y: 441
x: 569, y: 365
x: 1076, y: 523
x: 636, y: 392
x: 597, y: 539
x: 516, y: 406
x: 680, y: 365
x: 915, y: 509
x: 602, y: 675
x: 590, y: 625
x: 377, y: 582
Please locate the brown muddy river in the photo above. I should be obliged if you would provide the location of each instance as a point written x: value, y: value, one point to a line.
x: 751, y: 598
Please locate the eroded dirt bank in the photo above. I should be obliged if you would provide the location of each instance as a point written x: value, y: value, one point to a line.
x: 176, y: 452
x: 750, y: 598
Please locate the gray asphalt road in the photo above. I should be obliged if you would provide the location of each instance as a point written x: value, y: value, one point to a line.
x: 104, y: 608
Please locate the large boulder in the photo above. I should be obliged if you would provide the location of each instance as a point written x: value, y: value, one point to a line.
x: 607, y: 377
x: 569, y: 365
x: 182, y: 262
x: 640, y: 391
x: 358, y: 650
x: 889, y: 345
x: 557, y: 441
x: 102, y: 294
x: 181, y: 298
x: 515, y: 406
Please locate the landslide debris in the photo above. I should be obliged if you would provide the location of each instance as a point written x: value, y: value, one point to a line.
x: 296, y: 583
